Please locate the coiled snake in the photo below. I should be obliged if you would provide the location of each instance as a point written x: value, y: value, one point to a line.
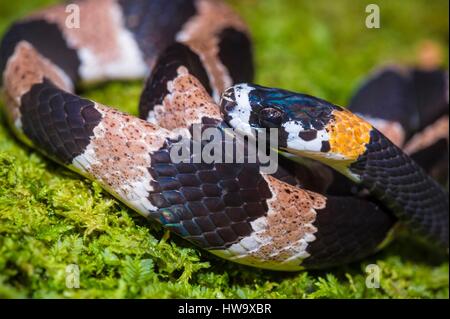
x: 190, y: 51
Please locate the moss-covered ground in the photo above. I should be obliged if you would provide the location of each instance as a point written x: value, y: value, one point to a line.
x: 51, y: 218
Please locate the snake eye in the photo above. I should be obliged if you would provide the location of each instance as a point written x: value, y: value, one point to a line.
x: 270, y: 117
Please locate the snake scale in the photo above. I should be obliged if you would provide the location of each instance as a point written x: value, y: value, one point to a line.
x: 304, y: 215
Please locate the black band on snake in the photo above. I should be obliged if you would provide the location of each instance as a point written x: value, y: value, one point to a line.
x: 302, y: 216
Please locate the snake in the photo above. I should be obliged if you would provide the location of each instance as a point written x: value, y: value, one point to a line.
x: 195, y: 58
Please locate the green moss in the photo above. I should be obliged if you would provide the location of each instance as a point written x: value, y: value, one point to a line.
x: 51, y: 218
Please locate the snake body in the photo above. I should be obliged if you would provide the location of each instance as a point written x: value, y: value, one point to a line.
x: 189, y: 52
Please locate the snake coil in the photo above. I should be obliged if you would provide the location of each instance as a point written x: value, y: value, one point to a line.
x: 189, y: 52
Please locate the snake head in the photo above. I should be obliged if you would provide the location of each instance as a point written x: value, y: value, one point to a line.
x: 308, y: 126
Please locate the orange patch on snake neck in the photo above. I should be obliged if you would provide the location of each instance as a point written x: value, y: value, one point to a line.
x: 349, y: 134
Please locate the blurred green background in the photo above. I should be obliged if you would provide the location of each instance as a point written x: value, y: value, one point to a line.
x: 50, y: 218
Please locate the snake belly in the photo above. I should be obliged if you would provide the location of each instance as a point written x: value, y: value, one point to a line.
x: 189, y: 52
